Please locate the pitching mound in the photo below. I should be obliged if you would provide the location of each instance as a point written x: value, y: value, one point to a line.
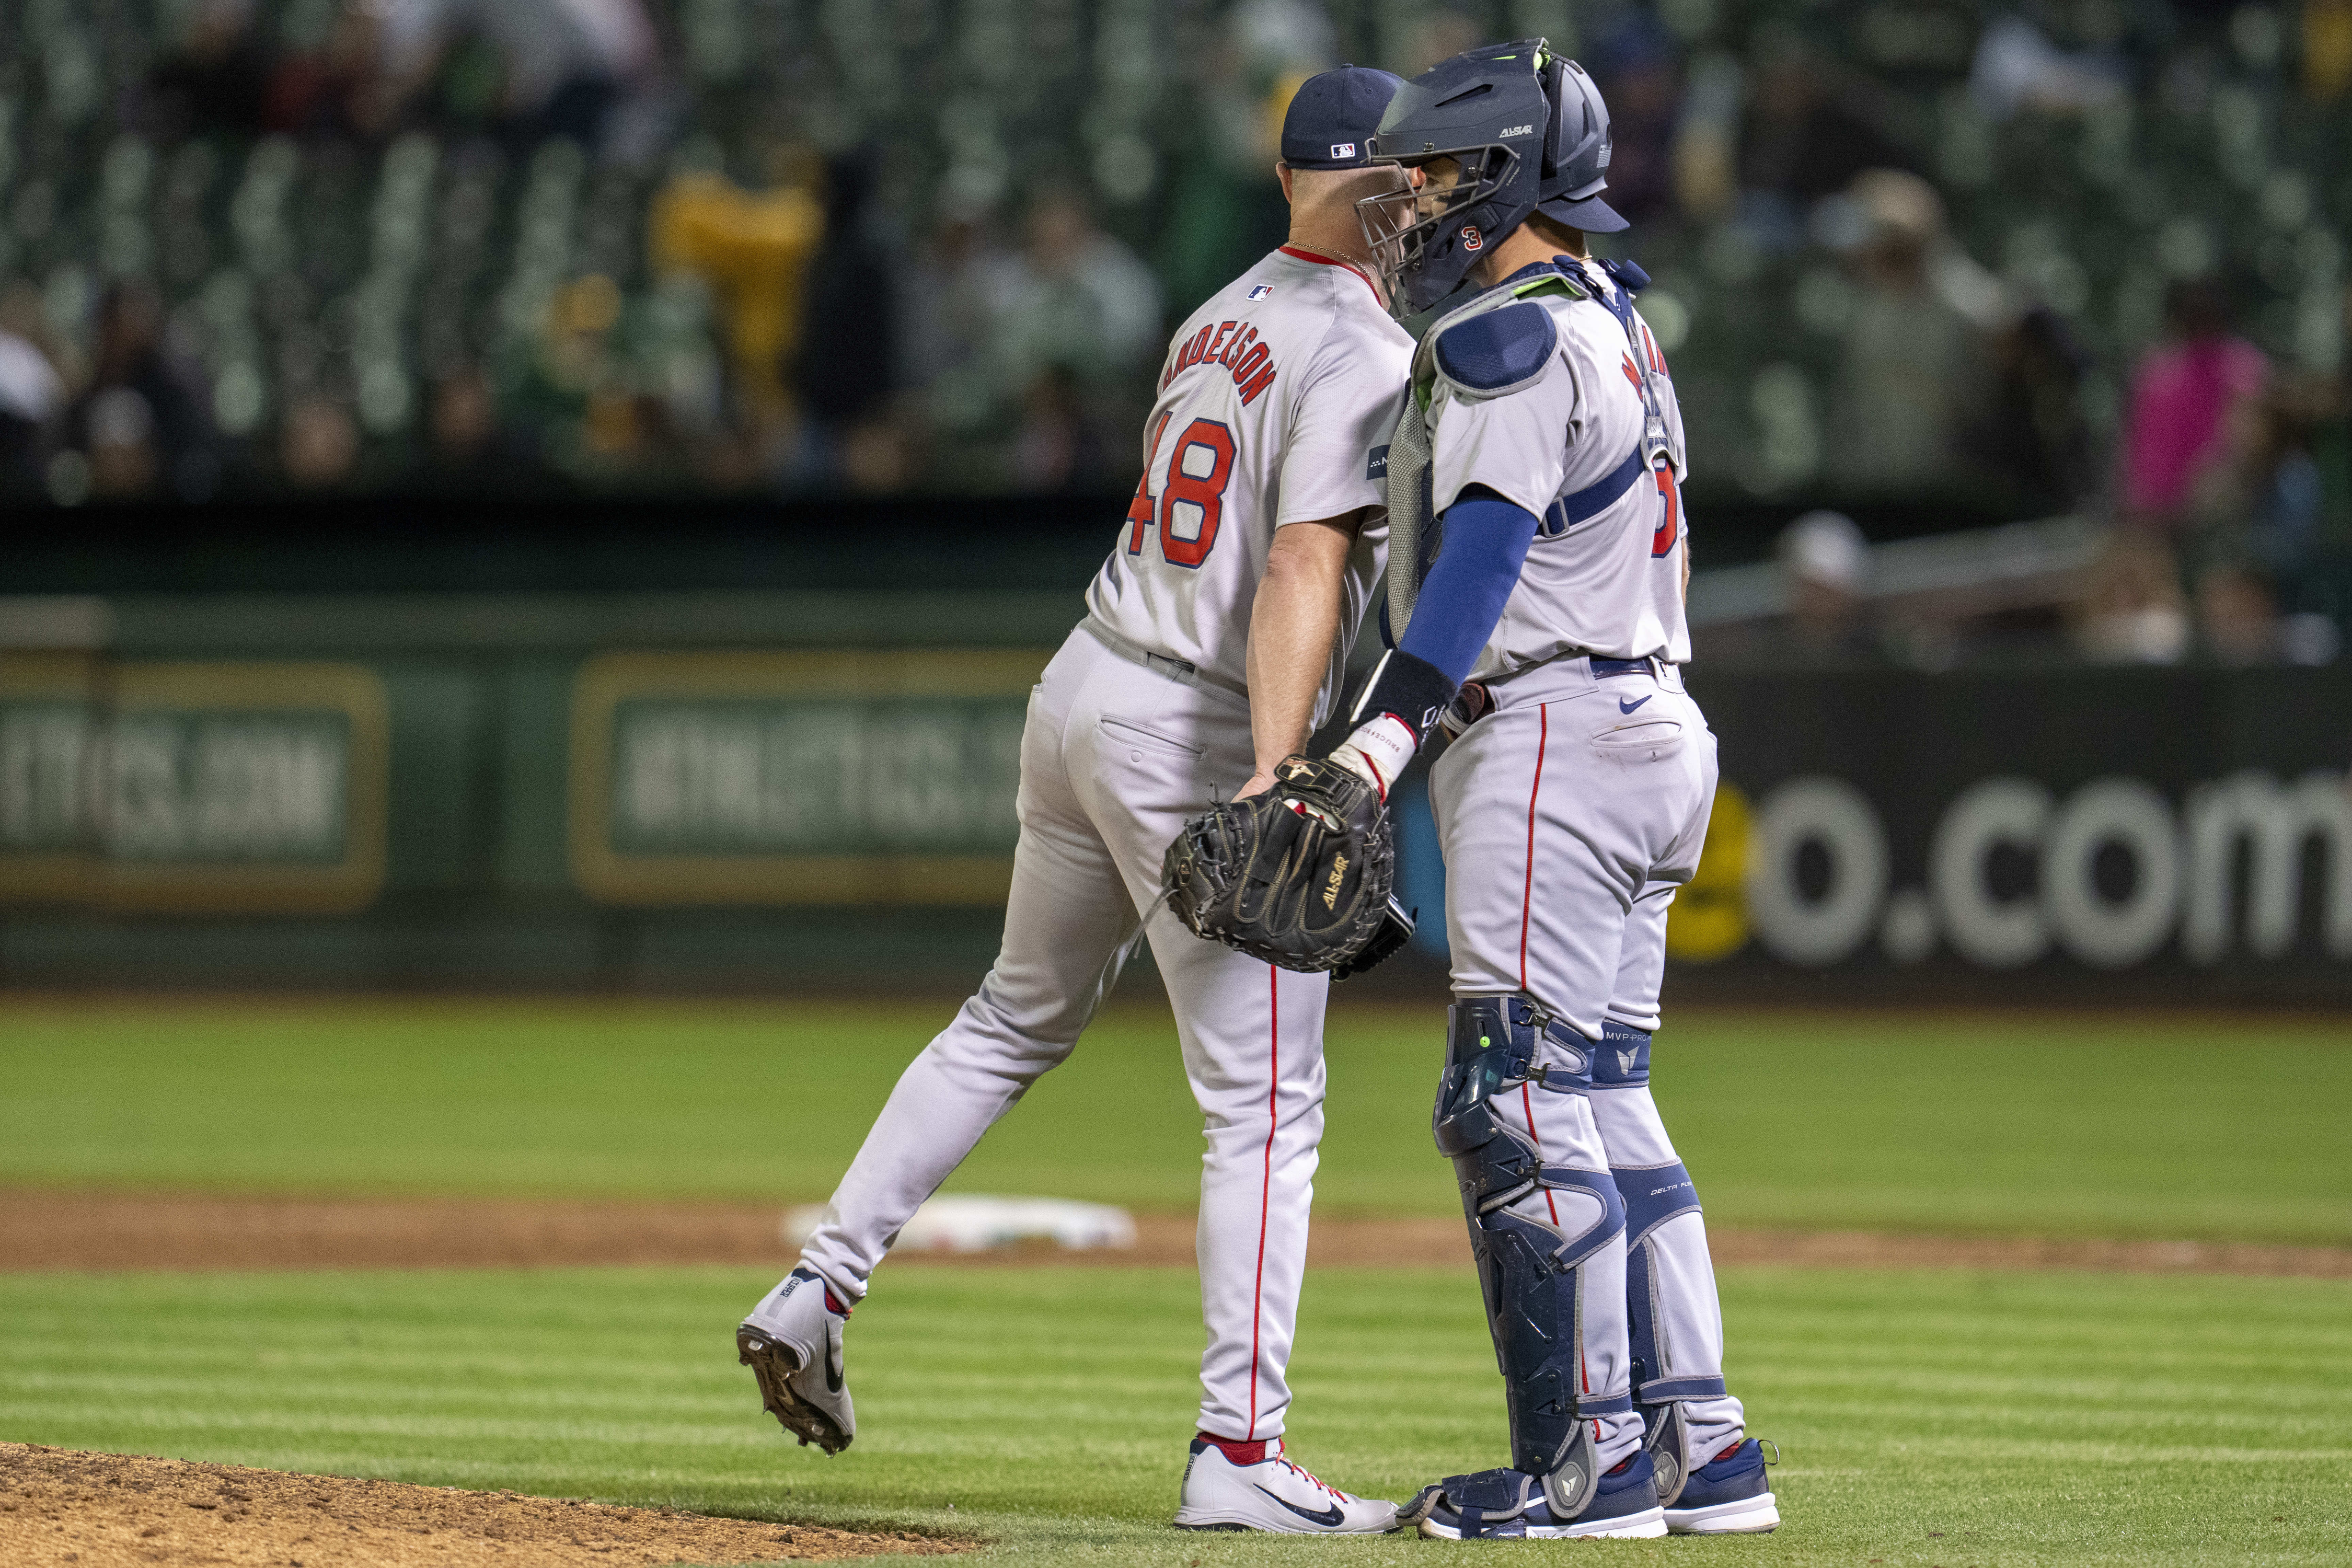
x: 117, y: 1510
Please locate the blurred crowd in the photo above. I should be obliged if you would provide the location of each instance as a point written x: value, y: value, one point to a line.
x: 2012, y: 260
x: 528, y: 246
x: 2215, y: 544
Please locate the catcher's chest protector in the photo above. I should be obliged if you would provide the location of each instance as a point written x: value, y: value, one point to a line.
x: 1550, y: 391
x: 1414, y: 531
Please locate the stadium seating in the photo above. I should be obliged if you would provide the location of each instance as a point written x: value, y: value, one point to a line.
x: 317, y: 265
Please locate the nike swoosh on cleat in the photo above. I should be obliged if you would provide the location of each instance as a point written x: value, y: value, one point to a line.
x: 1625, y: 707
x: 832, y: 1367
x: 1330, y: 1519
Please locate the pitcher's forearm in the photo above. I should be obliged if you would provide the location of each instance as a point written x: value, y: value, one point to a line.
x: 1289, y: 654
x: 1294, y: 623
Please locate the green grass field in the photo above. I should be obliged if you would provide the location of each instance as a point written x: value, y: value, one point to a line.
x: 2051, y: 1125
x: 1926, y: 1418
x: 1937, y: 1417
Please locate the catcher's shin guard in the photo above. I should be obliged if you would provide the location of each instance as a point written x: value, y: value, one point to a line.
x: 1527, y: 1268
x: 1658, y: 1314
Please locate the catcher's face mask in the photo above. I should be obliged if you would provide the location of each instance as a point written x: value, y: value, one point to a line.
x: 1423, y: 236
x: 1485, y: 139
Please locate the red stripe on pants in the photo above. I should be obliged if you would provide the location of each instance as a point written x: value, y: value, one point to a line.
x: 1526, y: 893
x: 1266, y: 1189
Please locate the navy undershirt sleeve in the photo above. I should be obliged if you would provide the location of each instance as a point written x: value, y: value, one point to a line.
x: 1478, y: 566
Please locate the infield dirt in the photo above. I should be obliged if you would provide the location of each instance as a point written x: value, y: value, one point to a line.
x: 112, y: 1511
x: 193, y: 1232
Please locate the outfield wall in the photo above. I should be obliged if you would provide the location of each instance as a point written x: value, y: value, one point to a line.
x: 2118, y: 835
x: 698, y: 790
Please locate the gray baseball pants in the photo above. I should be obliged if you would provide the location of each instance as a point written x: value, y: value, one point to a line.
x: 1115, y: 758
x: 1568, y: 816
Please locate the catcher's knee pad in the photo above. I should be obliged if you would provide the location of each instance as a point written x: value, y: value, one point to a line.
x: 1493, y: 1045
x: 1526, y: 1268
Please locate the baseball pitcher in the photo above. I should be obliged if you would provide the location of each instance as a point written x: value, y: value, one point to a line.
x: 1537, y: 568
x: 1215, y: 638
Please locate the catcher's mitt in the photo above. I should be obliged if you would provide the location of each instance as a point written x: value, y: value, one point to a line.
x: 1298, y: 876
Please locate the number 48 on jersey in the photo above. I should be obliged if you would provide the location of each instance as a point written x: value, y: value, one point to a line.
x: 1187, y: 511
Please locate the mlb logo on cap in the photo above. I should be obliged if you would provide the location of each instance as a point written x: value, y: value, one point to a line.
x: 1260, y: 291
x: 1332, y: 116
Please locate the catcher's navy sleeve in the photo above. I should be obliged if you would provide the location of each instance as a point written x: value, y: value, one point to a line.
x: 1485, y: 544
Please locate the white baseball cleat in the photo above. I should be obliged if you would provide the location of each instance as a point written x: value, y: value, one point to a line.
x: 1250, y: 1486
x: 792, y: 1343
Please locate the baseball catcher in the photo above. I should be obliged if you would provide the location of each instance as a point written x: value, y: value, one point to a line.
x: 1536, y: 557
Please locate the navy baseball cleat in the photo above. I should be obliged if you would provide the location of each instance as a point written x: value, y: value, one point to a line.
x: 1510, y: 1505
x: 792, y: 1343
x: 1729, y: 1495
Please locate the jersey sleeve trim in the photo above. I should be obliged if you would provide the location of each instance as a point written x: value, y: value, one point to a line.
x: 1501, y: 486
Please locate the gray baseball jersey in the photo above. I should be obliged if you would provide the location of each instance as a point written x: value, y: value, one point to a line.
x: 1608, y: 582
x: 1275, y: 402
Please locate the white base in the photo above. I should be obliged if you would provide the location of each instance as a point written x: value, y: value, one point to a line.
x: 970, y: 1222
x: 1741, y: 1516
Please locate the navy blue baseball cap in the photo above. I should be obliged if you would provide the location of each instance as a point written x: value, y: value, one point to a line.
x: 1333, y: 116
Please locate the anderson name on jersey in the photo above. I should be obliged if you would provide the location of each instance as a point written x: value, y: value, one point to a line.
x: 1275, y: 402
x: 1546, y: 426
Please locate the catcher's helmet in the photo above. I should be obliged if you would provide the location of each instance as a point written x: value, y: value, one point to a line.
x: 1529, y: 132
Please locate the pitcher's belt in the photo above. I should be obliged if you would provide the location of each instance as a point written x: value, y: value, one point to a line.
x: 1177, y: 670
